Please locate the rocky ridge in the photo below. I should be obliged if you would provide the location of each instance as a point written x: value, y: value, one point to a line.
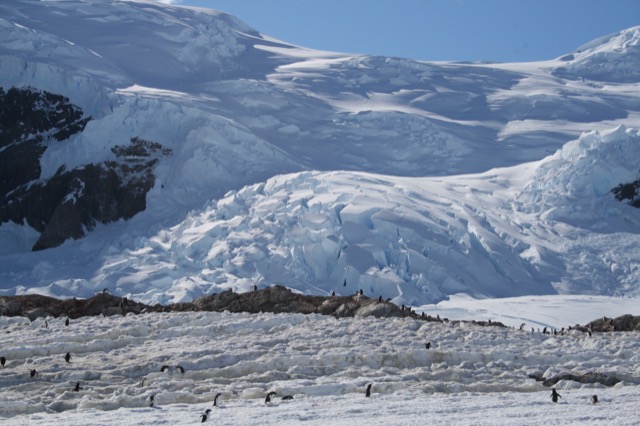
x: 274, y: 299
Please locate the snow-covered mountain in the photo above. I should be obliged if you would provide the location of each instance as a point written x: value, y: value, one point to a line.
x: 180, y: 152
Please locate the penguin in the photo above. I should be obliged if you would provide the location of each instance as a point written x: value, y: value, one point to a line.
x: 215, y: 400
x: 594, y: 399
x: 427, y: 345
x: 255, y: 287
x: 267, y: 400
x: 3, y: 361
x: 333, y: 293
x: 555, y: 395
x: 287, y: 398
x: 544, y: 330
x: 105, y: 290
x: 368, y: 391
x: 344, y: 284
x: 180, y: 368
x: 46, y: 324
x: 66, y: 322
x: 379, y: 299
x: 67, y: 357
x: 361, y: 292
x: 589, y: 331
x: 142, y: 383
x: 163, y: 368
x: 522, y: 326
x: 205, y: 416
x: 33, y: 373
x: 152, y: 400
x: 77, y: 388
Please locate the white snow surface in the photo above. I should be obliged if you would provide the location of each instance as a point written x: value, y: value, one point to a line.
x: 330, y: 172
x: 470, y: 375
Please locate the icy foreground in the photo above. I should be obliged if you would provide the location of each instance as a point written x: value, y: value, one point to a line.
x: 324, y: 363
x: 470, y: 374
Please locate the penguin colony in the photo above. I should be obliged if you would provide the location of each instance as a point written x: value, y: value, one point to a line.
x: 33, y: 373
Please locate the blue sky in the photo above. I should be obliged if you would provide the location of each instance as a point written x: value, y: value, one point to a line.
x: 461, y: 30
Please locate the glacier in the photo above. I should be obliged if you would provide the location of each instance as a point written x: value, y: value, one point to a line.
x: 325, y: 171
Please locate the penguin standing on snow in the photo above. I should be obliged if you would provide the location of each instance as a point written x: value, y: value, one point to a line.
x: 594, y: 399
x: 168, y: 368
x: 77, y: 388
x: 205, y: 416
x: 3, y: 361
x: 67, y: 357
x: 33, y: 373
x: 152, y: 400
x: 427, y: 345
x: 267, y: 400
x: 555, y: 395
x: 368, y: 391
x: 66, y: 322
x: 215, y: 400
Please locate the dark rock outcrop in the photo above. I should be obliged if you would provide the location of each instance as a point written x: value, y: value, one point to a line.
x: 628, y: 191
x: 36, y: 306
x: 71, y: 201
x: 275, y: 299
x: 280, y: 299
x: 29, y: 120
x: 605, y: 324
x: 587, y: 378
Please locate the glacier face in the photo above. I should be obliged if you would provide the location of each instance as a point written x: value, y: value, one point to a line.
x: 340, y: 166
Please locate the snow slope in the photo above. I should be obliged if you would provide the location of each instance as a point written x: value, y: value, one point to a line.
x: 324, y: 171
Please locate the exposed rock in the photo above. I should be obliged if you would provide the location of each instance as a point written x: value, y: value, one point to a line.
x: 628, y: 191
x: 29, y: 119
x: 274, y: 299
x: 35, y: 306
x: 71, y: 201
x: 605, y: 324
x: 588, y: 378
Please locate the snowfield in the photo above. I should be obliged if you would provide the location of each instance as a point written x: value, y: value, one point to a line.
x: 297, y: 134
x: 470, y: 375
x: 324, y: 171
x: 470, y: 191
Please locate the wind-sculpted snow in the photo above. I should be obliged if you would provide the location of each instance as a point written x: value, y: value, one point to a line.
x: 584, y: 171
x: 612, y: 59
x: 321, y: 361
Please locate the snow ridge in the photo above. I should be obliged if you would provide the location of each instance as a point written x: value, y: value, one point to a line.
x: 614, y: 58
